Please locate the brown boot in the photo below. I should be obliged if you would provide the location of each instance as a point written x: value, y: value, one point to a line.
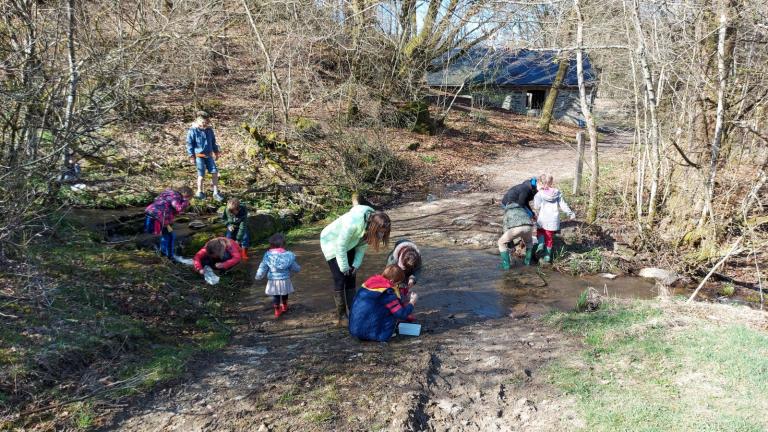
x: 341, y: 309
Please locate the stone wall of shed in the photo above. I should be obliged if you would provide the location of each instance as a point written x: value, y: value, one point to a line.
x: 567, y: 108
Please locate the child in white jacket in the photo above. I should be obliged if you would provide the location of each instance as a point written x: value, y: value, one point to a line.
x: 548, y: 203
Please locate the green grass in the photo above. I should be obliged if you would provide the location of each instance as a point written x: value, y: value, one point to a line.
x: 430, y: 159
x: 125, y: 313
x: 640, y: 373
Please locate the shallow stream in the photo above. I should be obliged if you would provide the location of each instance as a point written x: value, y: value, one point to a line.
x: 460, y: 283
x: 455, y: 283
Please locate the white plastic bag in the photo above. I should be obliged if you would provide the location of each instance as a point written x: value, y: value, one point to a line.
x: 210, y: 276
x: 182, y: 260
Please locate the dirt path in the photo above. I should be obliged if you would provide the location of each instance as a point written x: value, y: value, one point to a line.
x: 473, y: 369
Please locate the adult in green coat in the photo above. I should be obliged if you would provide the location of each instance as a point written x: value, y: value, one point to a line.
x: 344, y: 243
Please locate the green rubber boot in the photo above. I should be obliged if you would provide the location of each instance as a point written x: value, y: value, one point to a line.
x: 504, y: 260
x: 547, y: 255
x: 540, y: 245
x: 528, y: 256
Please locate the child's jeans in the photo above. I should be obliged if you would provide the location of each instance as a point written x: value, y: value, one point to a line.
x: 245, y: 242
x: 167, y: 236
x: 277, y: 299
x: 549, y: 236
x: 204, y: 164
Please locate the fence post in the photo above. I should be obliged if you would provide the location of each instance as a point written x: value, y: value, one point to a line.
x: 579, y: 162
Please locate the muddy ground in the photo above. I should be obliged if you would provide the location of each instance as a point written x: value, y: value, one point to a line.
x: 475, y: 367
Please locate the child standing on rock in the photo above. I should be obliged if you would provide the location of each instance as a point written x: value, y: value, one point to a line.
x: 277, y: 265
x: 235, y: 217
x: 549, y: 202
x: 203, y: 152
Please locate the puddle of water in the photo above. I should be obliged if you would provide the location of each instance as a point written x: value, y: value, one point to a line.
x: 460, y: 283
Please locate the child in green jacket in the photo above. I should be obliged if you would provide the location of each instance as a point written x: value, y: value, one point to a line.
x: 235, y: 217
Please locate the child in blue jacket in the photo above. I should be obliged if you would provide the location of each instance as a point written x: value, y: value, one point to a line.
x: 376, y: 308
x: 277, y: 265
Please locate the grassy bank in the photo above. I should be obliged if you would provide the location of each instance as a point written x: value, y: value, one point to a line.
x: 652, y: 367
x: 86, y: 325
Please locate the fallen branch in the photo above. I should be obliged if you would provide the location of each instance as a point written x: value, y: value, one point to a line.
x: 711, y: 272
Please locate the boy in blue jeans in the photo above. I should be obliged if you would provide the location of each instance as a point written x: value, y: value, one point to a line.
x: 203, y: 152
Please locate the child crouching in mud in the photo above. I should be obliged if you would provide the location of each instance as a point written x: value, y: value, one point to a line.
x: 277, y: 265
x: 407, y: 256
x: 219, y: 253
x: 377, y: 309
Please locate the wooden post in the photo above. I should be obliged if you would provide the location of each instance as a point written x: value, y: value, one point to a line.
x: 579, y: 162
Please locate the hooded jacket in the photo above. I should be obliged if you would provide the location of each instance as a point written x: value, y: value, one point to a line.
x: 549, y: 202
x: 394, y: 257
x: 521, y: 194
x: 344, y: 234
x: 376, y: 310
x: 277, y: 264
x: 165, y: 208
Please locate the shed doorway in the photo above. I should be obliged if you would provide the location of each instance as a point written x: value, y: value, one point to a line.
x: 535, y: 99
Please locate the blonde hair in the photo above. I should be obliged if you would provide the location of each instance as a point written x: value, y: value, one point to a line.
x: 545, y: 181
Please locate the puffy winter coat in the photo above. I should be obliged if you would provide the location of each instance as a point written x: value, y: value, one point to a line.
x: 376, y: 310
x: 232, y: 256
x: 549, y: 202
x: 277, y: 264
x: 394, y: 257
x: 344, y: 234
x: 166, y: 207
x: 521, y: 194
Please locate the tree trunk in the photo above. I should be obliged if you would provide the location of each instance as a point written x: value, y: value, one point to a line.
x: 651, y: 104
x: 724, y: 57
x: 73, y: 78
x: 586, y: 111
x: 549, y: 104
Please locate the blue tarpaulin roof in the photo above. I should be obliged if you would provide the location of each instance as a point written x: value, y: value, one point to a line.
x: 486, y: 67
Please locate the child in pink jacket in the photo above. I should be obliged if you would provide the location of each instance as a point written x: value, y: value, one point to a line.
x: 548, y: 203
